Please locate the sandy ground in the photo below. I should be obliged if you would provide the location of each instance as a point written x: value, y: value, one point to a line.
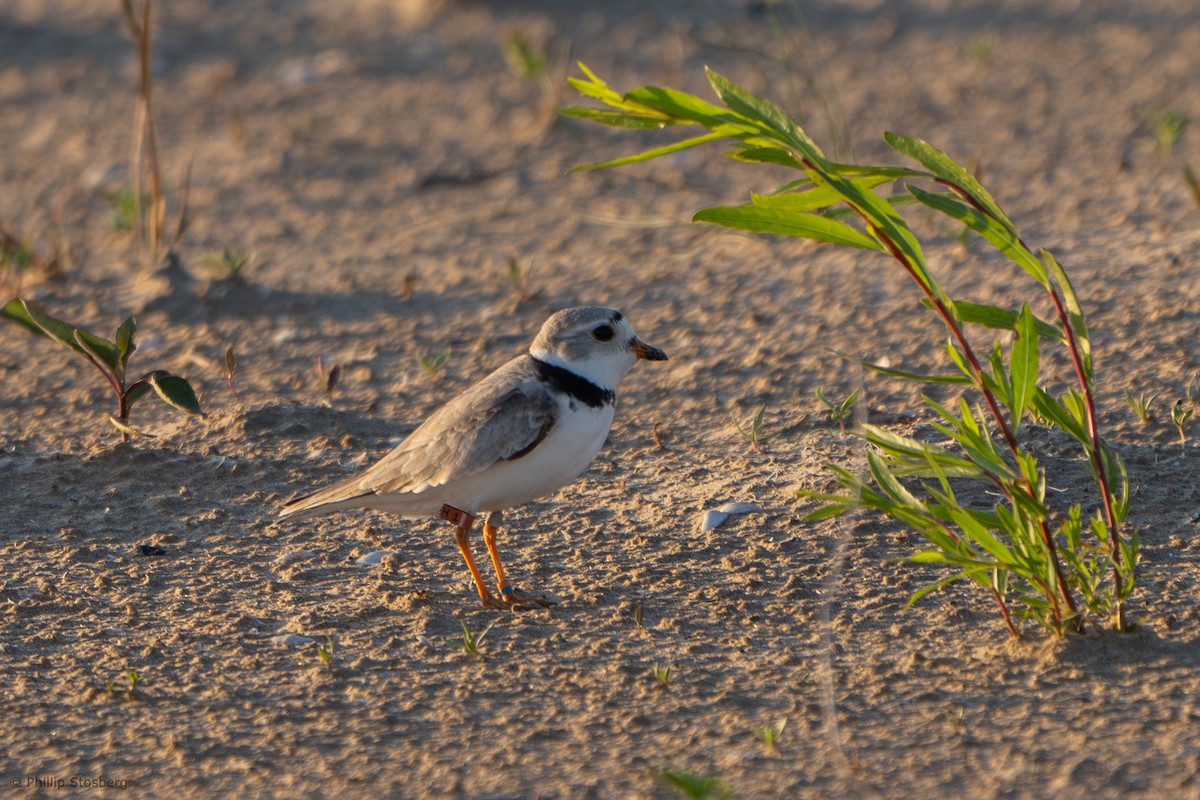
x: 384, y: 165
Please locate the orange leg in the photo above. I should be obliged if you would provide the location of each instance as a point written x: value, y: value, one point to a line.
x: 514, y: 597
x: 464, y: 544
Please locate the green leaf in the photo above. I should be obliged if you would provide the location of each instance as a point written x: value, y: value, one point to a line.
x: 766, y: 155
x: 1003, y: 239
x: 95, y: 349
x: 615, y: 119
x: 787, y: 223
x: 175, y: 391
x: 1024, y: 368
x: 649, y: 154
x: 949, y: 170
x: 997, y: 318
x: 905, y: 375
x: 125, y: 345
x: 772, y: 116
x: 683, y: 106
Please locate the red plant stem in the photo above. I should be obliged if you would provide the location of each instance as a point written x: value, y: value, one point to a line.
x: 1085, y: 385
x: 993, y: 406
x: 1007, y: 617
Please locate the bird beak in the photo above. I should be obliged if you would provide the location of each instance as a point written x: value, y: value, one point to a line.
x: 647, y: 351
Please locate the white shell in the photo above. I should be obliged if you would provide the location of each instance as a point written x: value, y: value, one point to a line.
x: 740, y: 508
x: 291, y: 639
x: 715, y: 517
x: 371, y: 559
x: 285, y: 559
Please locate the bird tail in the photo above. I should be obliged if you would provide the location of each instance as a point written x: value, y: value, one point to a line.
x: 345, y: 494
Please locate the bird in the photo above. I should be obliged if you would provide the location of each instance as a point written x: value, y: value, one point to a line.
x: 524, y: 431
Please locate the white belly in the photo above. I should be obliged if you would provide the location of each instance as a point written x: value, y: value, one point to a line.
x: 560, y: 458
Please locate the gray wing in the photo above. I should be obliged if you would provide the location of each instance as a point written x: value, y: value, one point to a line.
x: 502, y: 417
x: 492, y: 421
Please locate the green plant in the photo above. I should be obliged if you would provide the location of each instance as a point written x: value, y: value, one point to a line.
x: 325, y: 652
x: 1141, y: 404
x: 111, y: 358
x: 840, y: 412
x: 470, y: 641
x: 1181, y: 418
x: 518, y: 278
x: 769, y: 734
x: 433, y: 363
x: 227, y: 264
x: 1018, y: 548
x: 695, y: 786
x: 753, y: 432
x: 663, y: 674
x: 1167, y: 126
x: 132, y: 679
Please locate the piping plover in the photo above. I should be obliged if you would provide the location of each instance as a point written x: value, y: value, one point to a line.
x: 526, y: 430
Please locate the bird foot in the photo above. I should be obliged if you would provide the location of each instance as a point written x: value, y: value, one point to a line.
x: 519, y: 601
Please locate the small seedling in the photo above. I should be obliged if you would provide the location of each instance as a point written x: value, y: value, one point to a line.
x: 325, y: 652
x: 124, y: 205
x: 111, y: 358
x: 132, y: 679
x: 981, y: 48
x: 753, y: 432
x: 470, y: 642
x: 328, y: 377
x: 840, y: 412
x: 227, y: 265
x: 519, y: 278
x: 1168, y: 126
x: 695, y: 786
x: 523, y: 61
x: 1181, y: 417
x: 769, y: 734
x: 663, y: 674
x: 231, y: 368
x: 433, y: 364
x: 1141, y: 404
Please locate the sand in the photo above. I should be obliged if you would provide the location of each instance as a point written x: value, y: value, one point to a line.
x: 385, y: 166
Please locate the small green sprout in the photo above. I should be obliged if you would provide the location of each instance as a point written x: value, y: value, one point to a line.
x: 1181, y: 417
x: 769, y: 734
x: 470, y: 641
x: 840, y: 412
x: 523, y: 61
x: 695, y: 787
x: 663, y: 674
x: 1141, y: 404
x: 111, y: 358
x: 325, y: 652
x: 433, y: 364
x: 1168, y: 126
x: 125, y: 207
x: 753, y: 432
x: 227, y: 264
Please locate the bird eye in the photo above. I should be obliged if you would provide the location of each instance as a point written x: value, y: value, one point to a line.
x: 603, y: 333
